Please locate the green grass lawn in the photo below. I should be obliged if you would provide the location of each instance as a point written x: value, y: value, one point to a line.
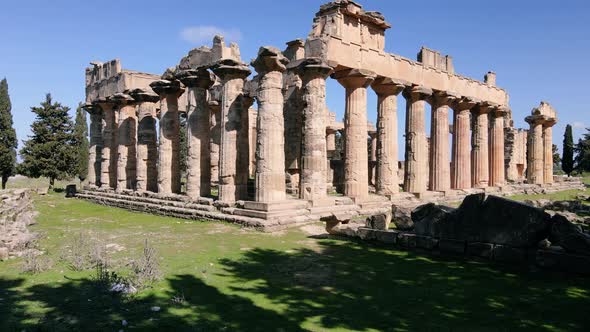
x: 234, y: 279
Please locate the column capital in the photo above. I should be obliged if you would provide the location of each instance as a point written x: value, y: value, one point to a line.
x: 445, y: 98
x: 103, y: 103
x: 500, y: 111
x: 540, y: 120
x: 385, y: 86
x: 464, y: 104
x: 313, y: 68
x: 354, y: 78
x: 228, y: 69
x: 167, y: 87
x: 92, y: 109
x: 196, y: 78
x: 144, y: 95
x: 485, y: 107
x: 269, y: 59
x: 417, y: 92
x: 121, y: 99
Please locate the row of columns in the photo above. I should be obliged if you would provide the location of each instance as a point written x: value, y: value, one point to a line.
x: 129, y: 124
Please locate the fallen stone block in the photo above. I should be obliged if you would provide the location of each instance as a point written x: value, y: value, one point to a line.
x: 386, y: 236
x: 407, y: 240
x: 429, y: 219
x: 507, y: 254
x: 379, y: 221
x: 402, y: 217
x: 480, y: 249
x: 4, y: 254
x: 507, y: 222
x: 70, y: 191
x: 452, y: 246
x: 426, y: 242
x: 562, y: 261
x: 367, y: 234
x: 569, y: 236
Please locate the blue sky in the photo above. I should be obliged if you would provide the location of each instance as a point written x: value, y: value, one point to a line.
x: 539, y: 49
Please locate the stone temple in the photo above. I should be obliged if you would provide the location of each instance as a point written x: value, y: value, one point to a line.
x: 280, y: 164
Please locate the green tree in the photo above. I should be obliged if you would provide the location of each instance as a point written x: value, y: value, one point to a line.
x: 8, y: 141
x: 567, y: 161
x: 582, y: 149
x: 51, y: 150
x: 81, y: 141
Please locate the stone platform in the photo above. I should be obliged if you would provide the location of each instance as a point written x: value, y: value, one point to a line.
x: 295, y: 212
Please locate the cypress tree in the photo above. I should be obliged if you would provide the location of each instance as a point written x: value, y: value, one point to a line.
x: 51, y: 150
x: 567, y: 161
x: 583, y: 153
x: 8, y: 140
x: 81, y: 139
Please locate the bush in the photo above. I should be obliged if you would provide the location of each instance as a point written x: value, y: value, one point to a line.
x: 84, y: 252
x: 145, y: 270
x: 35, y: 262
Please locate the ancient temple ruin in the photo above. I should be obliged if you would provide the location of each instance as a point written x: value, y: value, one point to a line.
x: 279, y: 164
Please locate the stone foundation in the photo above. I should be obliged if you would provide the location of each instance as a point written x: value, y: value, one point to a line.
x: 295, y: 212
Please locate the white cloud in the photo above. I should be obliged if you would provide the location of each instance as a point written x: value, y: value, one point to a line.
x: 578, y: 125
x: 204, y: 34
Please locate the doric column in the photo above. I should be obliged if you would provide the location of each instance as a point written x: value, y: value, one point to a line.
x: 416, y: 144
x: 147, y: 140
x: 440, y: 167
x: 536, y: 150
x: 312, y: 185
x: 356, y: 175
x: 169, y: 152
x: 198, y: 163
x: 215, y: 140
x: 232, y: 75
x: 461, y: 146
x: 548, y: 151
x: 270, y: 141
x: 107, y: 172
x: 126, y: 149
x: 387, y: 182
x: 372, y: 156
x: 95, y: 144
x: 480, y: 168
x: 497, y: 167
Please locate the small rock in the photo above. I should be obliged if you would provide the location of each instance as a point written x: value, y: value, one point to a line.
x: 124, y: 323
x: 155, y: 309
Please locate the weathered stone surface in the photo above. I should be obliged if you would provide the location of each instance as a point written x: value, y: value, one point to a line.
x: 407, y: 240
x: 480, y: 146
x: 270, y: 146
x: 507, y: 254
x: 440, y: 173
x: 402, y: 217
x: 461, y: 158
x: 379, y: 221
x: 507, y: 222
x: 559, y: 260
x: 426, y: 242
x: 386, y: 236
x: 232, y: 179
x: 480, y: 249
x: 147, y: 140
x: 429, y: 219
x: 387, y: 181
x: 356, y: 173
x: 4, y: 254
x: 569, y: 236
x: 416, y: 155
x: 452, y: 246
x: 312, y: 182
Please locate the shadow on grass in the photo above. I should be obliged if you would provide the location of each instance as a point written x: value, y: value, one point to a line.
x: 345, y: 285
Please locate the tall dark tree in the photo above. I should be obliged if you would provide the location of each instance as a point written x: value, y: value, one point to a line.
x: 567, y: 161
x: 81, y: 141
x: 8, y: 141
x: 582, y: 149
x: 51, y: 150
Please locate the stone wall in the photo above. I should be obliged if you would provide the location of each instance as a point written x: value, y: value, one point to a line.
x: 487, y: 227
x: 16, y: 214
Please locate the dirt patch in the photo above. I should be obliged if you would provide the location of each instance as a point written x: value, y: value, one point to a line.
x: 315, y: 229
